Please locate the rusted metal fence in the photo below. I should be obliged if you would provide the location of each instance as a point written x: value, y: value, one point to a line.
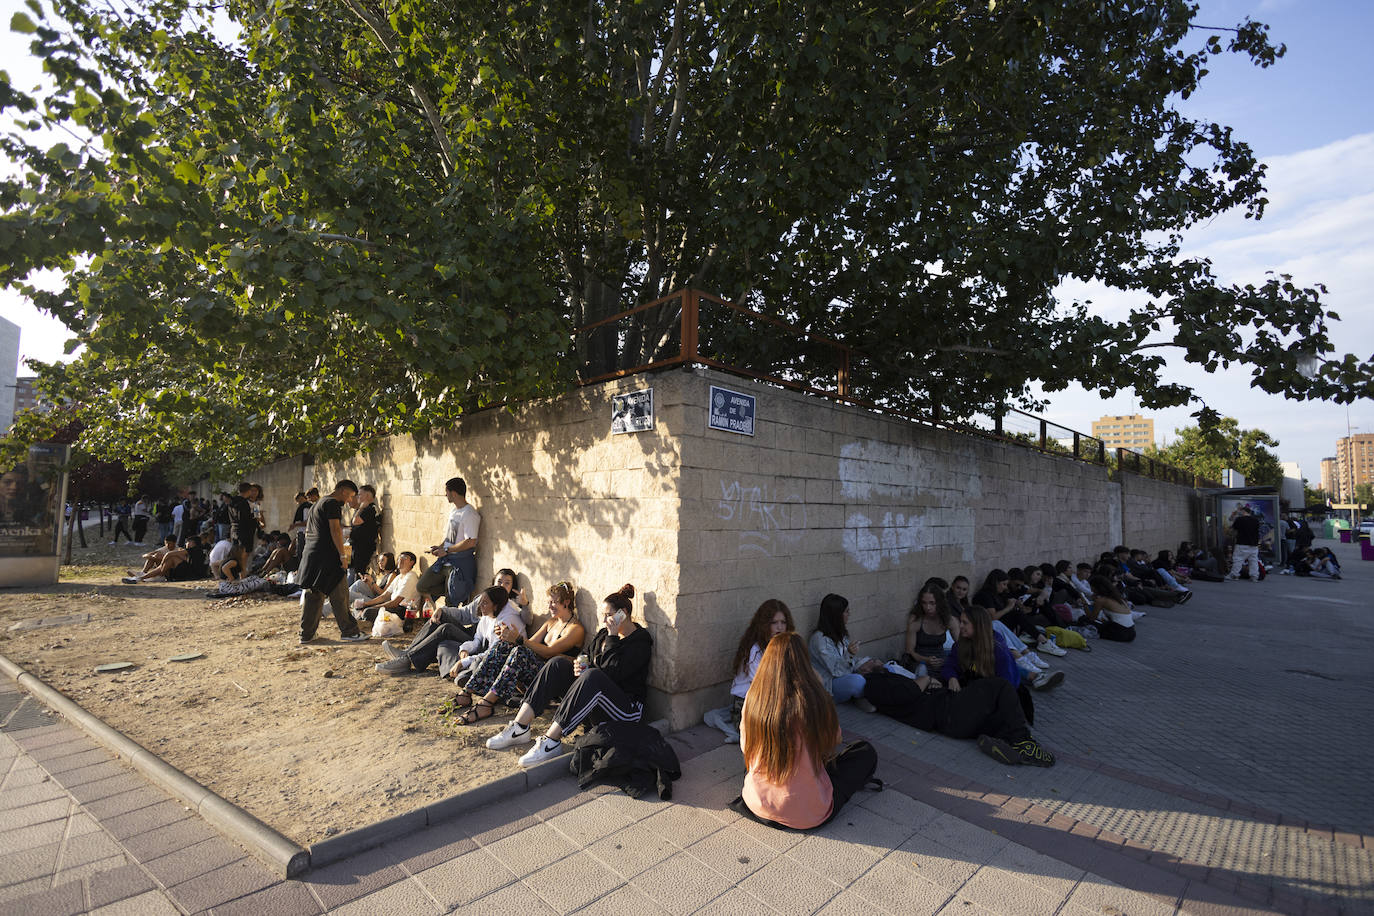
x: 691, y: 327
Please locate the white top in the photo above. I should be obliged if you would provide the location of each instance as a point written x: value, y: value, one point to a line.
x: 404, y: 586
x: 1082, y: 586
x: 1125, y: 620
x: 220, y: 552
x: 486, y: 628
x: 462, y: 525
x: 177, y: 512
x: 740, y: 686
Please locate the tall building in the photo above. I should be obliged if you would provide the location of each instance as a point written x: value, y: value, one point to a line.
x: 26, y: 397
x: 1354, y: 463
x: 1136, y: 432
x: 1329, y: 477
x: 9, y: 368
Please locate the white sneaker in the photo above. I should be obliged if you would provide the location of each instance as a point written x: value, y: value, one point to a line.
x: 1052, y: 648
x: 1136, y: 615
x: 1038, y: 662
x: 547, y: 749
x: 510, y: 736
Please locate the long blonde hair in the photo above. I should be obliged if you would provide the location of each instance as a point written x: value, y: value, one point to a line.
x: 787, y: 711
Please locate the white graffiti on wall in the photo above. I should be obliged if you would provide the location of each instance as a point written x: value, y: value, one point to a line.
x: 770, y: 521
x: 895, y: 475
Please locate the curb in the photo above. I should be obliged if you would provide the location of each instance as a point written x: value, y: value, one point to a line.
x: 283, y: 856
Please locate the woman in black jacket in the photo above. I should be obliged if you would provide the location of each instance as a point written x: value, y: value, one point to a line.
x: 613, y: 684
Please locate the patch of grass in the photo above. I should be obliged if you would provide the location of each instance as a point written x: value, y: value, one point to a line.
x: 83, y: 573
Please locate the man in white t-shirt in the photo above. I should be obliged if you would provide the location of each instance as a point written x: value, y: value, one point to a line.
x: 398, y: 593
x: 454, y: 570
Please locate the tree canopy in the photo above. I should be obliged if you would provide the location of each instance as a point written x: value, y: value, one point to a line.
x: 291, y: 225
x: 1209, y: 452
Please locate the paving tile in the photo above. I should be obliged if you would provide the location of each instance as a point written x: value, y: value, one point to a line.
x: 104, y: 788
x: 226, y: 883
x: 790, y: 887
x: 66, y: 899
x: 152, y: 903
x: 31, y: 837
x: 17, y: 797
x: 896, y: 885
x: 286, y: 898
x: 495, y: 822
x: 632, y: 809
x: 837, y: 860
x: 27, y: 864
x: 118, y: 884
x: 962, y: 906
x: 401, y: 897
x: 512, y: 900
x: 53, y: 808
x: 340, y: 882
x: 531, y: 849
x: 999, y: 892
x: 192, y: 861
x: 934, y: 862
x: 425, y: 848
x: 150, y: 817
x: 124, y: 802
x: 681, y: 825
x: 733, y: 853
x: 772, y: 837
x: 898, y: 807
x: 551, y: 799
x: 859, y: 826
x: 461, y: 880
x: 86, y: 869
x: 586, y: 824
x: 681, y: 884
x: 149, y: 844
x: 100, y: 770
x: 89, y: 848
x: 626, y: 900
x: 956, y: 836
x: 573, y: 882
x: 60, y: 764
x: 734, y: 902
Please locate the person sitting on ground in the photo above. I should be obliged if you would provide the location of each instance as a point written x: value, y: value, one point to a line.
x: 1140, y: 566
x: 987, y: 709
x: 612, y: 687
x: 1066, y: 589
x: 956, y: 599
x: 226, y: 560
x: 834, y: 654
x: 493, y: 623
x: 195, y: 566
x: 772, y: 618
x: 995, y: 596
x: 788, y: 733
x: 400, y: 592
x: 551, y: 652
x: 372, y: 583
x: 476, y: 627
x: 1324, y: 564
x: 1196, y: 560
x: 981, y: 652
x: 927, y: 632
x: 1167, y: 568
x: 1110, y: 614
x: 282, y: 555
x: 449, y: 625
x: 157, y: 564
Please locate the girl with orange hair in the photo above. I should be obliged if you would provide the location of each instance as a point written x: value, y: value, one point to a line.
x: 788, y: 733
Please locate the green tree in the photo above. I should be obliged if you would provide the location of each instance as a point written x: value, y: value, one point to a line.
x: 1313, y: 496
x: 362, y: 217
x: 1209, y: 452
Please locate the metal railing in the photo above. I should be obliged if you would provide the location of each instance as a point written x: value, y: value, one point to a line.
x: 671, y: 331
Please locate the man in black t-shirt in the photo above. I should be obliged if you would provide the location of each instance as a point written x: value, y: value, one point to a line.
x: 243, y: 527
x: 322, y: 567
x: 1246, y: 553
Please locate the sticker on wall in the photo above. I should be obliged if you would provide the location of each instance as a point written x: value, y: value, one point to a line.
x: 633, y: 411
x: 732, y: 411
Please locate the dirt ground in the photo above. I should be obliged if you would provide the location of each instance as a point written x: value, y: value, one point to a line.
x: 310, y: 739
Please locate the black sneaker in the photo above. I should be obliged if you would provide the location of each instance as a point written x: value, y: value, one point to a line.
x: 1032, y: 754
x: 999, y: 750
x: 1048, y: 682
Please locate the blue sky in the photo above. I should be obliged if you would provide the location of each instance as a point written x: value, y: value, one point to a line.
x: 1310, y: 118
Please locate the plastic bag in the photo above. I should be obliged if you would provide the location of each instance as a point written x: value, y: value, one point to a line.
x: 387, y: 624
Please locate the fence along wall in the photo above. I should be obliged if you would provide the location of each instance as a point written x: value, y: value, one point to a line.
x: 706, y: 524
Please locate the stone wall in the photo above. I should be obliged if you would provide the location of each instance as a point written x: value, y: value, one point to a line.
x: 281, y: 481
x: 707, y: 524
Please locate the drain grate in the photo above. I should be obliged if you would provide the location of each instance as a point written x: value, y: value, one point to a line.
x: 9, y: 702
x: 28, y: 714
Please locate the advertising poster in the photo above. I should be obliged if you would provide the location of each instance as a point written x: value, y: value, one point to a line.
x: 31, y: 503
x: 1266, y: 509
x: 633, y: 411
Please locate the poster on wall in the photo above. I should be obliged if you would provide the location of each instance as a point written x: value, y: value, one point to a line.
x: 732, y: 411
x: 1265, y: 508
x: 31, y: 503
x: 633, y: 411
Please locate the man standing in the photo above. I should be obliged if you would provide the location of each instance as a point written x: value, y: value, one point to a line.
x: 454, y: 570
x: 322, y: 567
x: 243, y: 528
x: 1246, y: 553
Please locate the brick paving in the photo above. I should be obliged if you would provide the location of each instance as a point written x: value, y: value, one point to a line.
x: 1210, y: 767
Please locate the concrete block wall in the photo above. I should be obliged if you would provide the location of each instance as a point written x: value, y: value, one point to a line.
x: 1156, y: 515
x: 708, y: 524
x: 281, y: 481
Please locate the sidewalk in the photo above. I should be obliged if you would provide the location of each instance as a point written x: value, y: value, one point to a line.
x: 1190, y: 764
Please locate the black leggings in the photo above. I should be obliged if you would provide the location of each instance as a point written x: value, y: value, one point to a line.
x: 551, y: 683
x: 1109, y: 629
x: 986, y: 706
x: 594, y: 698
x: 849, y: 772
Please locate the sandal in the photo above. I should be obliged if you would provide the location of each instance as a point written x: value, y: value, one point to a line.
x: 474, y: 713
x: 462, y: 699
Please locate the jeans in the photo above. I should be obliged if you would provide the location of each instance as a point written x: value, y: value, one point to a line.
x: 846, y: 687
x: 453, y: 575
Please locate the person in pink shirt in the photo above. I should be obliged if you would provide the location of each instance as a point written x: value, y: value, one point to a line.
x: 789, y: 734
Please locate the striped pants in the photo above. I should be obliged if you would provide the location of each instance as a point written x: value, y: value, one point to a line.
x: 594, y: 698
